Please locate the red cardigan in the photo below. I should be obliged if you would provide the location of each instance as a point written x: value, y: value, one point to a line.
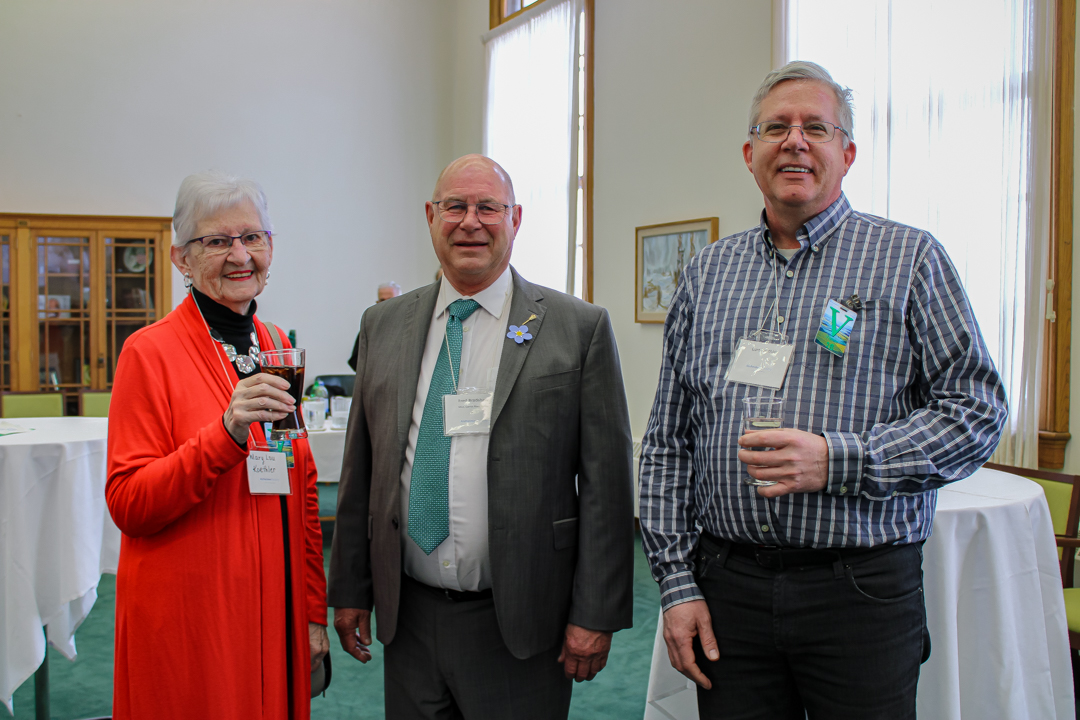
x: 200, y: 590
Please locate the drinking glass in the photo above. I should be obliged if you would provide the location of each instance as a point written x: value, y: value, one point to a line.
x: 315, y: 413
x: 339, y: 412
x: 288, y: 364
x: 760, y: 413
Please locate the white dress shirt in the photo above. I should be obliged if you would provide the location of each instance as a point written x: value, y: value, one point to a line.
x: 461, y: 561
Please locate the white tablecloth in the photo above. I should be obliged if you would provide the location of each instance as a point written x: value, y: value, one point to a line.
x: 327, y: 447
x: 56, y: 539
x: 999, y: 640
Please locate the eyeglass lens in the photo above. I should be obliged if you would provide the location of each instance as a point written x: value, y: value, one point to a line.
x: 488, y: 213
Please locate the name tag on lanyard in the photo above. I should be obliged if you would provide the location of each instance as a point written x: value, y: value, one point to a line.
x: 268, y: 465
x: 761, y: 359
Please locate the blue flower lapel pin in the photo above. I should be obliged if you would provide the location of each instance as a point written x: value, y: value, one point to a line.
x: 520, y: 334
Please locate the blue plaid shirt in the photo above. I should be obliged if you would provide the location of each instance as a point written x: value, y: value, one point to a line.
x: 914, y: 403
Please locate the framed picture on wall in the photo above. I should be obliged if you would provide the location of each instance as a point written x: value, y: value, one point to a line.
x: 662, y: 253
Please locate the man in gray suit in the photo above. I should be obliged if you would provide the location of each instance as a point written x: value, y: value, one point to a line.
x: 485, y: 500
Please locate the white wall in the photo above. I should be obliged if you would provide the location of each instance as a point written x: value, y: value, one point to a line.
x: 337, y: 107
x: 673, y: 88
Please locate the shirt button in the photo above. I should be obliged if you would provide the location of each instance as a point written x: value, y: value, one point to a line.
x: 791, y: 273
x: 895, y: 493
x: 843, y: 489
x: 464, y: 329
x: 446, y: 563
x: 814, y: 248
x: 780, y: 318
x: 765, y: 528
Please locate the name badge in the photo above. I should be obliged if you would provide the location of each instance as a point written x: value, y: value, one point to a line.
x: 468, y: 412
x: 835, y: 329
x: 268, y: 472
x: 761, y: 360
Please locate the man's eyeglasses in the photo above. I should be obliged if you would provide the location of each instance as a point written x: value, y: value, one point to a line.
x: 221, y: 244
x: 489, y: 213
x: 815, y: 132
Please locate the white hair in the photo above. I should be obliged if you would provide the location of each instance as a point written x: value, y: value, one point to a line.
x: 392, y: 286
x: 204, y: 194
x: 804, y: 70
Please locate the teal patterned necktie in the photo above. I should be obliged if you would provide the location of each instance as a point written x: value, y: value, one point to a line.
x: 429, y: 494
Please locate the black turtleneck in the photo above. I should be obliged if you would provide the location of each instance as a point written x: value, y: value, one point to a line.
x: 234, y: 328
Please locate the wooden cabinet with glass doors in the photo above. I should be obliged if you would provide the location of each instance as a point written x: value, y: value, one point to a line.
x: 73, y: 288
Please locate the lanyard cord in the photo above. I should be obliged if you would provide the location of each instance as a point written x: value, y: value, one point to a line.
x: 774, y: 308
x: 224, y: 371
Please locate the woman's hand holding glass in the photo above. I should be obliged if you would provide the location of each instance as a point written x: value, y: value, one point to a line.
x: 259, y: 398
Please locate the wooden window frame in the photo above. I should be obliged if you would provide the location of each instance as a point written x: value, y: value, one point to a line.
x: 497, y: 17
x: 1054, y: 421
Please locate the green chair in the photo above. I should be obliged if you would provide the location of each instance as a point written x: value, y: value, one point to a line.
x: 94, y: 403
x: 1063, y: 496
x: 31, y: 404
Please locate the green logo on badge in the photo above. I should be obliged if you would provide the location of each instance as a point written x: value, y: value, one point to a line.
x: 837, y: 328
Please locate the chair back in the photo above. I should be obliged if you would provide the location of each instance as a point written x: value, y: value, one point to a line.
x: 334, y: 384
x: 31, y: 404
x: 1063, y: 497
x: 94, y: 403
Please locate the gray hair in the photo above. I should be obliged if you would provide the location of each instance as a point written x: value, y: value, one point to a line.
x: 391, y: 285
x: 203, y: 194
x: 804, y: 70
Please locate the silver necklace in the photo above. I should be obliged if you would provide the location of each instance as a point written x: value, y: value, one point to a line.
x: 244, y: 363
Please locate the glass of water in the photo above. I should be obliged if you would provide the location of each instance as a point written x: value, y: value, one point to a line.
x: 760, y: 413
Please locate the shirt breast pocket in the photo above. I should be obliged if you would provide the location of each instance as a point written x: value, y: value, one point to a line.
x: 879, y: 351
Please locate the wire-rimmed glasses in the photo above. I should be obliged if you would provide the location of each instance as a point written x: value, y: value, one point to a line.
x: 221, y: 244
x: 815, y: 132
x: 489, y: 213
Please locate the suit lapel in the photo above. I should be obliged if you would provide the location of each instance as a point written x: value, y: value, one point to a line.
x: 414, y: 332
x: 526, y: 301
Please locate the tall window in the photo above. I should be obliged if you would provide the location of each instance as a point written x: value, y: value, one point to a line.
x: 535, y: 125
x: 953, y: 135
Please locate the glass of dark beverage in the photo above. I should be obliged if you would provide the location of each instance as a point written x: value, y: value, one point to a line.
x: 288, y: 364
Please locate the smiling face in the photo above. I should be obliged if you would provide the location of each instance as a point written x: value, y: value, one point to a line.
x: 798, y: 179
x: 473, y: 255
x: 233, y: 278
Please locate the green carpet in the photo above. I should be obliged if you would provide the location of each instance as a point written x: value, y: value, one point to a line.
x: 83, y: 688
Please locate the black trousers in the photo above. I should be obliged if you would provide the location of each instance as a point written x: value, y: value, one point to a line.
x: 448, y: 662
x: 829, y: 639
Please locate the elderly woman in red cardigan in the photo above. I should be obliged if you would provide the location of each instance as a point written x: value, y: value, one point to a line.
x: 220, y: 593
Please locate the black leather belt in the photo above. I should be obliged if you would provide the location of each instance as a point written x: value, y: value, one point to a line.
x: 772, y: 557
x: 452, y: 595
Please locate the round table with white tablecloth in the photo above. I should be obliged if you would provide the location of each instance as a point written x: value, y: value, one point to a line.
x: 56, y: 538
x: 1000, y: 645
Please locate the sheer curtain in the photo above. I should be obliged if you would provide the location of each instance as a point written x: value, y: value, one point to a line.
x: 530, y: 128
x: 953, y: 136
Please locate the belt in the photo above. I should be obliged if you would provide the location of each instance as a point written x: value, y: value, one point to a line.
x: 451, y: 595
x: 772, y: 557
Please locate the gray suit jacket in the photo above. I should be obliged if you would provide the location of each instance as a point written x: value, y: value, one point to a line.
x: 561, y: 551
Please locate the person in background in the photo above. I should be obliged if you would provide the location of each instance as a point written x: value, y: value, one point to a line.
x: 386, y: 291
x: 220, y: 593
x: 498, y: 558
x: 804, y: 594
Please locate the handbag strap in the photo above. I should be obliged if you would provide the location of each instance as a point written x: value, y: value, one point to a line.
x: 275, y: 334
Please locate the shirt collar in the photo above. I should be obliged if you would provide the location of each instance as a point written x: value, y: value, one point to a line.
x: 816, y: 231
x: 492, y: 298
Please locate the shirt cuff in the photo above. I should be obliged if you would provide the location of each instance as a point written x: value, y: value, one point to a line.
x: 678, y: 588
x: 846, y: 458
